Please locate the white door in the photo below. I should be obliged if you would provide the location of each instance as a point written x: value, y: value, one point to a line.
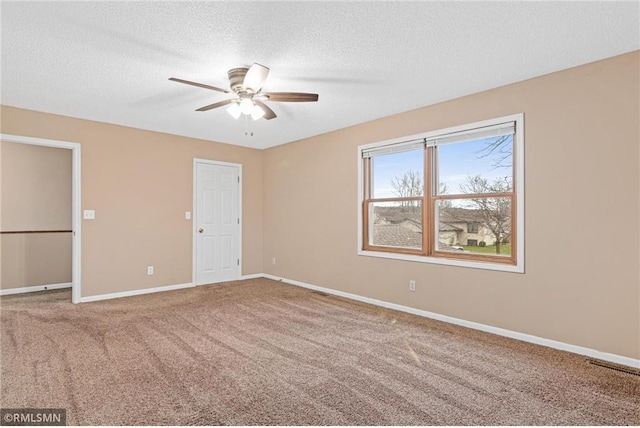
x: 217, y: 223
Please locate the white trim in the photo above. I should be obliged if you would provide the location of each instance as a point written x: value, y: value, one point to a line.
x: 614, y: 358
x: 252, y: 276
x: 519, y: 147
x: 194, y: 215
x: 76, y: 202
x: 443, y: 261
x: 34, y: 288
x: 135, y: 292
x: 519, y: 180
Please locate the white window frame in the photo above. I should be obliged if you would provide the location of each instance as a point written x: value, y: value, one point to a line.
x: 519, y: 192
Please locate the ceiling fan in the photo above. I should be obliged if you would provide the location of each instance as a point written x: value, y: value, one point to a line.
x: 246, y: 85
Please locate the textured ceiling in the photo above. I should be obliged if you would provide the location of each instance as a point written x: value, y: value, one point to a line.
x: 110, y: 61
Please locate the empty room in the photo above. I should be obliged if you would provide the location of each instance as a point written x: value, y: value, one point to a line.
x: 320, y: 213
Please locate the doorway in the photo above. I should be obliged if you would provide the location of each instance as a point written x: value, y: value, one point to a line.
x: 217, y: 222
x: 75, y: 202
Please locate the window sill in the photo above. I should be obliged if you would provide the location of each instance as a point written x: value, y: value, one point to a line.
x: 444, y: 261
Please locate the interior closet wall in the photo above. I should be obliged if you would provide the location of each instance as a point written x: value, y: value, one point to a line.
x: 36, y: 196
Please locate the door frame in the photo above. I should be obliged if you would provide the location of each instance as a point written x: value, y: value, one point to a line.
x: 194, y: 216
x: 76, y: 215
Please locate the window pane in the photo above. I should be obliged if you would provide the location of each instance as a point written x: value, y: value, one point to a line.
x: 478, y: 226
x: 476, y: 166
x: 398, y: 175
x: 396, y: 224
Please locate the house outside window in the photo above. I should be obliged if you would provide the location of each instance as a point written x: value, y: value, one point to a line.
x: 453, y: 196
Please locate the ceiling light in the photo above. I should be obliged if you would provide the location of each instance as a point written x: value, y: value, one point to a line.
x: 257, y: 112
x: 234, y: 110
x: 246, y: 106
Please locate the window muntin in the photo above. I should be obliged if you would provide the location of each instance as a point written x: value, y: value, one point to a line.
x: 468, y: 211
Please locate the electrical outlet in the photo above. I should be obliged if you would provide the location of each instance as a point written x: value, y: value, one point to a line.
x: 412, y: 285
x: 149, y: 270
x: 273, y: 261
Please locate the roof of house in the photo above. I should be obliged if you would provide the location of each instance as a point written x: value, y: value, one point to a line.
x: 461, y: 215
x: 446, y: 227
x: 396, y: 235
x: 398, y: 214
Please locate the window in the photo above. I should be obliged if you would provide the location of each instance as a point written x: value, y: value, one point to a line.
x: 451, y: 197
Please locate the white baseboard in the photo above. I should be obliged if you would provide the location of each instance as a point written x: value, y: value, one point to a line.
x: 154, y: 290
x: 33, y: 288
x: 134, y: 292
x: 618, y: 359
x: 252, y: 276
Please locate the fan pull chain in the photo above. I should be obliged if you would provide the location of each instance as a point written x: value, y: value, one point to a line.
x: 247, y: 126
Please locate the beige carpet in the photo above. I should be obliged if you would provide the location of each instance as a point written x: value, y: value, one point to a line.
x: 263, y: 352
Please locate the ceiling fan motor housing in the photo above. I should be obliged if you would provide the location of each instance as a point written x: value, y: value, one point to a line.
x: 236, y: 79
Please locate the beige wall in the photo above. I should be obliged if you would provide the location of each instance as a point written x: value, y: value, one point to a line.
x: 140, y: 184
x: 35, y: 259
x: 582, y: 175
x: 36, y: 195
x: 36, y: 187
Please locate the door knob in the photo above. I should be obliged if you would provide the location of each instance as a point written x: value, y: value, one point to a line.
x: 200, y: 230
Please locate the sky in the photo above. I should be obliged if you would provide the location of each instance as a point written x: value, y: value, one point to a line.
x: 455, y: 163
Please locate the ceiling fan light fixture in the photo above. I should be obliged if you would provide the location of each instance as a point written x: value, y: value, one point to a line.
x: 257, y: 112
x: 234, y: 110
x: 246, y: 106
x: 248, y: 98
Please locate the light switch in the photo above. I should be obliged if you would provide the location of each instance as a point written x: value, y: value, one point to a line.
x: 89, y: 215
x: 187, y: 215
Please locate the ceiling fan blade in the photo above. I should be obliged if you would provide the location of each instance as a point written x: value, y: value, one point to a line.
x: 290, y: 96
x: 255, y: 77
x: 200, y: 85
x: 215, y: 105
x: 268, y: 113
